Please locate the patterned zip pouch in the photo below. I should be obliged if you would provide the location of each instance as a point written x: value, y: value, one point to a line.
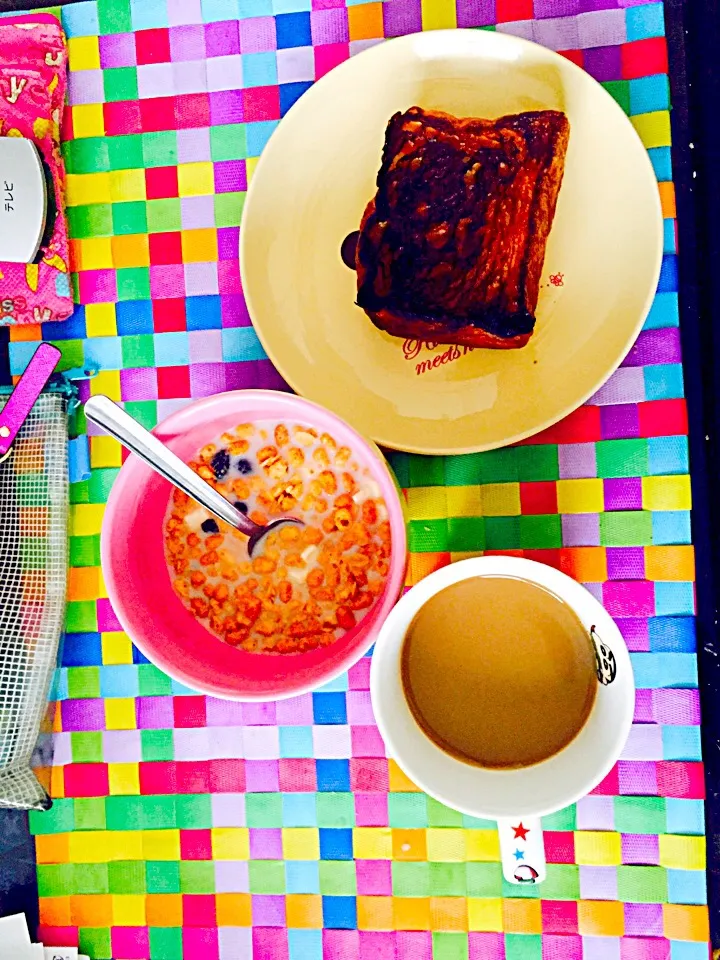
x: 33, y: 80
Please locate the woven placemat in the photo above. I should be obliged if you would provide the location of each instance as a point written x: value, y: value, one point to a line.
x: 187, y: 827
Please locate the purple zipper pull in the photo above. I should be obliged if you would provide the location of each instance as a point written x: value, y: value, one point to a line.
x: 28, y: 388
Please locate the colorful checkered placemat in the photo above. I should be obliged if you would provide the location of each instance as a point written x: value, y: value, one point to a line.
x: 187, y: 827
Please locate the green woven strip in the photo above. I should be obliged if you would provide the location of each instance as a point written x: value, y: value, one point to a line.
x: 465, y: 534
x: 642, y: 884
x: 407, y: 810
x: 124, y: 813
x: 152, y: 682
x: 619, y: 90
x: 426, y: 471
x: 120, y: 83
x: 450, y: 946
x: 87, y: 747
x: 448, y: 880
x: 625, y: 529
x: 337, y: 878
x: 335, y: 810
x: 502, y: 533
x: 89, y: 813
x: 538, y: 463
x: 157, y: 813
x: 60, y: 818
x: 162, y: 876
x: 129, y: 218
x: 84, y: 552
x: 165, y: 942
x: 126, y: 876
x: 483, y: 879
x: 95, y: 942
x: 157, y: 745
x: 428, y: 536
x: 193, y: 811
x: 565, y: 819
x: 263, y: 809
x: 267, y: 876
x: 93, y: 878
x: 140, y: 352
x: 541, y: 532
x: 411, y: 879
x: 54, y: 879
x: 463, y: 471
x: 523, y: 946
x: 93, y: 220
x: 562, y: 883
x: 83, y: 681
x: 622, y: 458
x: 441, y: 816
x: 197, y: 876
x: 640, y: 815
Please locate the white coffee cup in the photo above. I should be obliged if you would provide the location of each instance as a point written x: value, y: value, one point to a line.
x: 515, y: 798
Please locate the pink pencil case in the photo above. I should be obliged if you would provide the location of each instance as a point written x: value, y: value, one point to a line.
x: 33, y: 81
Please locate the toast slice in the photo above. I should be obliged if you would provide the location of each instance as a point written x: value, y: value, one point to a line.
x: 452, y: 246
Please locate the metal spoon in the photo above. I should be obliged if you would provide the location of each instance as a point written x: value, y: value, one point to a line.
x: 119, y: 424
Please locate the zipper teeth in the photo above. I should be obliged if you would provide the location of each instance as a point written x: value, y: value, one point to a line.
x: 58, y: 385
x: 66, y: 388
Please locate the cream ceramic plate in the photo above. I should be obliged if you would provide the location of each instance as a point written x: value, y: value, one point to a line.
x: 309, y: 191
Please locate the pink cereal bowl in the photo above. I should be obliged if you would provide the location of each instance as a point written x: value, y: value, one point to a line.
x: 138, y: 582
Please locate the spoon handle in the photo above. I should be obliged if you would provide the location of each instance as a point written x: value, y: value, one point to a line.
x: 115, y: 421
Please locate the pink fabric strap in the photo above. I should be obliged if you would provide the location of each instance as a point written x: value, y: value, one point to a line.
x: 27, y: 390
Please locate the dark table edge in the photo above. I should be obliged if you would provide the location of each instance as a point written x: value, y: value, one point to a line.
x: 693, y: 32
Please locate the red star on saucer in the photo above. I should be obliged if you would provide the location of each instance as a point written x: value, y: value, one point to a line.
x: 520, y: 831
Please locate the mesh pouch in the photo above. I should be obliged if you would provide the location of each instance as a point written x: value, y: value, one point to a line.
x: 33, y: 578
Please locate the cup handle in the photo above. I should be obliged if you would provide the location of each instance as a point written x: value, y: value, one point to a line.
x: 522, y: 850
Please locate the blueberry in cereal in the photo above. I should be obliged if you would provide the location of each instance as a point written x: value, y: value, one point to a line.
x: 310, y: 584
x: 220, y: 464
